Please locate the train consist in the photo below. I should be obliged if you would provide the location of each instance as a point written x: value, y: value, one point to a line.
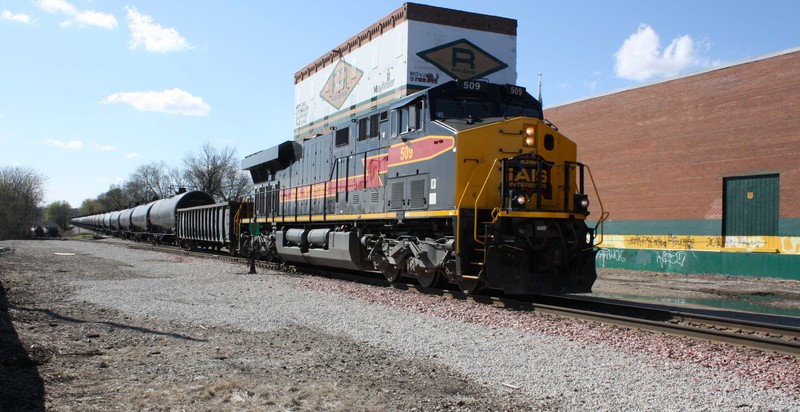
x: 188, y: 219
x: 464, y: 183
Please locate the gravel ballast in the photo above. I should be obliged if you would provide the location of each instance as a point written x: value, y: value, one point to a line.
x: 502, y: 359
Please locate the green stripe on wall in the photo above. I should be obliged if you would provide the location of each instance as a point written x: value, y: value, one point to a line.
x: 688, y: 261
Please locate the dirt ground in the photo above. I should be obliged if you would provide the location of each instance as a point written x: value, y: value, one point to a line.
x: 56, y: 355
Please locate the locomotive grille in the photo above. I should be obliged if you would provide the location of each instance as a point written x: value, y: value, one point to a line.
x: 417, y: 200
x: 396, y: 195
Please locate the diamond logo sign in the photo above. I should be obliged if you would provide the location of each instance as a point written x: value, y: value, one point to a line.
x: 462, y: 60
x: 341, y: 83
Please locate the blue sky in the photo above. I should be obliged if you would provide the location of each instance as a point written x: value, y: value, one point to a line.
x: 90, y: 89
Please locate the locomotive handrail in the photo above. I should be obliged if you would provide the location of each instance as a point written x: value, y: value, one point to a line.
x: 475, y: 206
x: 236, y: 218
x: 603, y: 213
x: 461, y: 200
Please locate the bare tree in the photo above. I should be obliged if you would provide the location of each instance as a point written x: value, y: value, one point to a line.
x: 177, y: 177
x: 150, y: 181
x: 238, y: 184
x: 216, y: 172
x: 137, y: 192
x: 21, y: 191
x: 116, y: 198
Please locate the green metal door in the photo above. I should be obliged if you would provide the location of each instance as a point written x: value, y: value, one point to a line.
x: 750, y: 205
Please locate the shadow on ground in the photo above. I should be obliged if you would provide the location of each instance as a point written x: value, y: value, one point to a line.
x: 21, y: 387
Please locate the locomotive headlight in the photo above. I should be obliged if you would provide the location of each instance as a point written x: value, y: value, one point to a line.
x: 581, y: 203
x: 529, y: 141
x: 519, y: 201
x: 530, y: 130
x: 529, y: 135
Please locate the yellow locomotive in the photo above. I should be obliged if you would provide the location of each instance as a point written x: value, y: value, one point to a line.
x: 464, y: 182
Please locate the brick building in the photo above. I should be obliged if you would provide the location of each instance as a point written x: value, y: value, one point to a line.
x: 700, y: 174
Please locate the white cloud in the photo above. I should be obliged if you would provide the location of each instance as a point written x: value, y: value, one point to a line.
x: 19, y: 17
x: 97, y: 19
x: 104, y: 148
x: 151, y: 36
x: 172, y: 101
x: 82, y: 18
x: 56, y: 6
x: 640, y: 57
x: 133, y: 155
x: 73, y: 145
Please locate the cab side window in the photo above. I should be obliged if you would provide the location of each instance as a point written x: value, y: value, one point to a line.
x: 409, y: 118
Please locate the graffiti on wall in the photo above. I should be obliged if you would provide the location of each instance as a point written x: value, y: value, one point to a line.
x: 709, y: 243
x: 745, y: 242
x: 671, y: 258
x: 615, y: 255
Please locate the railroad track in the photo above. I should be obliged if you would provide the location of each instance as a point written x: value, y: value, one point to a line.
x: 667, y: 320
x: 768, y: 337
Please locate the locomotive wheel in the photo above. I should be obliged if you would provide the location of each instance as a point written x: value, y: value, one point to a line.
x: 392, y: 273
x: 469, y: 286
x: 261, y: 249
x: 428, y: 280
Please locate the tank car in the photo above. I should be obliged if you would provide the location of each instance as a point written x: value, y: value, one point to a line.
x: 125, y: 223
x: 163, y: 214
x: 140, y: 221
x: 463, y: 182
x: 155, y: 222
x: 113, y: 222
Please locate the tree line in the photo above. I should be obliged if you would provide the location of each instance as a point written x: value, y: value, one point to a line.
x: 214, y: 171
x: 21, y: 193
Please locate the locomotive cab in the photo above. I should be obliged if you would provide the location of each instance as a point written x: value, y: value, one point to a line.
x: 520, y: 193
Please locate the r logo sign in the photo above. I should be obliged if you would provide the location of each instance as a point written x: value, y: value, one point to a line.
x: 462, y: 60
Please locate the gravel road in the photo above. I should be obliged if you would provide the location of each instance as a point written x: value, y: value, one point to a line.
x: 108, y: 327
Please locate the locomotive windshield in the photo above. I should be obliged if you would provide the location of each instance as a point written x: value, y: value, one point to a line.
x: 483, y: 102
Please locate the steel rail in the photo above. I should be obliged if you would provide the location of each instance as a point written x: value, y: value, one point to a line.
x: 744, y: 339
